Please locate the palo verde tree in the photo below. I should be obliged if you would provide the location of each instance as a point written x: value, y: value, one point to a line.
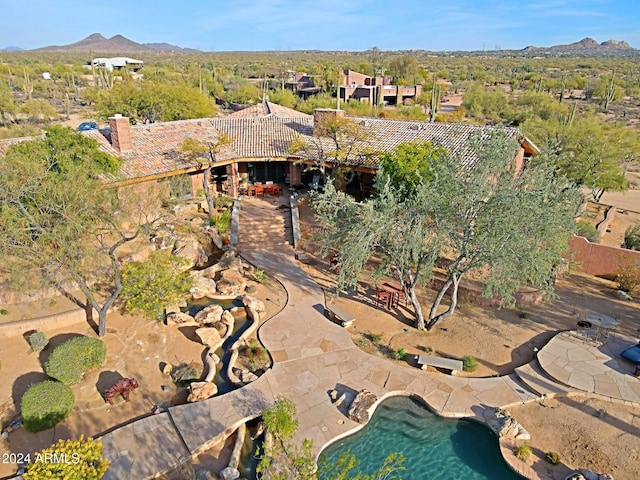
x: 197, y: 150
x: 335, y: 140
x: 485, y: 217
x: 59, y: 225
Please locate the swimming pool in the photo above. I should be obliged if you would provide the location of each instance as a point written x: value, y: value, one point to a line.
x: 435, y: 448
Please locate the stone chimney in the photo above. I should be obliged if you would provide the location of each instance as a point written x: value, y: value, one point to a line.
x: 322, y: 115
x: 120, y: 133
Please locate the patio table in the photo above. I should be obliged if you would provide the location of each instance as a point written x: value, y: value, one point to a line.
x: 602, y: 323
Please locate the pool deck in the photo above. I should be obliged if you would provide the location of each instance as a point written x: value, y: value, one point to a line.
x: 313, y: 356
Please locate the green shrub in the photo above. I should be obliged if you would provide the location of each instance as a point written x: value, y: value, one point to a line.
x: 585, y: 229
x: 260, y: 276
x: 38, y: 341
x: 628, y: 276
x: 45, y: 404
x: 85, y: 461
x: 632, y: 237
x: 375, y: 337
x: 222, y: 201
x: 553, y: 458
x: 71, y: 359
x: 3, y: 311
x: 222, y: 222
x: 469, y: 363
x: 400, y: 353
x: 523, y: 451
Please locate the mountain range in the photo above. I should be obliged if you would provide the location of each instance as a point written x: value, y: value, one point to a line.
x: 118, y: 44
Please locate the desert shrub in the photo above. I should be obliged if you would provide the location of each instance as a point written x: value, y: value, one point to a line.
x: 71, y: 359
x: 523, y: 451
x: 585, y: 229
x: 632, y: 237
x: 45, y: 404
x: 84, y: 460
x: 149, y: 286
x: 256, y: 355
x: 38, y: 341
x: 259, y: 276
x: 553, y: 458
x: 3, y: 311
x: 400, y: 353
x: 375, y: 337
x: 469, y: 364
x: 222, y: 201
x: 222, y: 222
x: 628, y: 276
x: 184, y: 374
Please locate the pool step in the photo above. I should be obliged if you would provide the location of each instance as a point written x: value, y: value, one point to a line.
x: 538, y: 381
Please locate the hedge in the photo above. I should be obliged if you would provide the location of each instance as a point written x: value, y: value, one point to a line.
x: 71, y: 359
x: 45, y: 404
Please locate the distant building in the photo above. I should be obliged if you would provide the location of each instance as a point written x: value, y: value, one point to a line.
x: 116, y: 63
x: 376, y: 90
x: 357, y: 86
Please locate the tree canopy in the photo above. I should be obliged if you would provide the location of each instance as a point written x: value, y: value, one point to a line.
x: 507, y: 227
x: 59, y: 224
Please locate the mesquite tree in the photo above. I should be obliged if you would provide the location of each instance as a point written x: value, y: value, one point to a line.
x: 59, y: 225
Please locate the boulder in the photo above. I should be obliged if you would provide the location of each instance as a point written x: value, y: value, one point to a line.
x: 210, y: 314
x: 209, y: 336
x: 253, y: 303
x: 204, y: 474
x: 201, y: 391
x: 190, y: 249
x: 508, y: 428
x: 522, y: 434
x: 186, y: 373
x: 622, y: 295
x: 229, y: 473
x: 362, y: 406
x: 333, y: 395
x: 231, y: 282
x: 574, y: 476
x: 179, y: 318
x: 245, y: 376
x: 167, y: 368
x: 203, y: 287
x: 227, y: 318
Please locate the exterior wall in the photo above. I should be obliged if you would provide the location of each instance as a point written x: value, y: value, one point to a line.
x: 233, y: 178
x: 519, y: 160
x: 599, y: 260
x: 295, y: 174
x: 196, y: 183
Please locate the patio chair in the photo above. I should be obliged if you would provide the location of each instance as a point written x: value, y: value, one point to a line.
x: 315, y: 182
x: 383, y: 298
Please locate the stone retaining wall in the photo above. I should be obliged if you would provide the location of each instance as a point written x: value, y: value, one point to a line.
x: 54, y: 321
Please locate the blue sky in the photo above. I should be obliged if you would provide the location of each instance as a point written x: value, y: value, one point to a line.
x: 220, y: 25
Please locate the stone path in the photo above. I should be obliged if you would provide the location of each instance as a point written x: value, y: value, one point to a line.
x: 312, y: 356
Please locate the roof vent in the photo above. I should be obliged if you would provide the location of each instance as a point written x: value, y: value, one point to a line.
x: 418, y: 127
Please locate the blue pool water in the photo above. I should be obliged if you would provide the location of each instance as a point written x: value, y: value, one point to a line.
x: 435, y: 448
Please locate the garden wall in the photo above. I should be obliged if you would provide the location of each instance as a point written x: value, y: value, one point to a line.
x: 49, y: 322
x: 599, y: 260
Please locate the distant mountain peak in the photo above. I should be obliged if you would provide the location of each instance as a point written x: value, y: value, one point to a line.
x: 117, y: 44
x: 586, y: 46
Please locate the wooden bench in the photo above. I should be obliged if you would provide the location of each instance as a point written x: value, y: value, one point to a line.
x: 447, y: 363
x: 337, y: 314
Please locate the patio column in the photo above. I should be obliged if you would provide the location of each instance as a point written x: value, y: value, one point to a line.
x: 233, y: 179
x: 295, y: 175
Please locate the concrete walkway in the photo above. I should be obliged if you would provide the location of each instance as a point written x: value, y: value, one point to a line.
x: 313, y: 356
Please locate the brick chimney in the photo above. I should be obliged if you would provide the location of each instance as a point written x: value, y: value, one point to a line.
x: 120, y: 133
x: 321, y: 115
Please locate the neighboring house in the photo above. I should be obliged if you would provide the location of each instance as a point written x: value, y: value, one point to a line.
x: 116, y: 63
x: 376, y: 90
x: 357, y: 86
x: 260, y: 139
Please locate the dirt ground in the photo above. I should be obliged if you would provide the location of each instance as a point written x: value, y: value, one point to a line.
x: 136, y: 348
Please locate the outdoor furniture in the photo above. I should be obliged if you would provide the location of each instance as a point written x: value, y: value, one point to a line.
x: 397, y: 292
x: 447, y: 363
x: 383, y: 298
x: 337, y: 314
x: 602, y: 323
x: 633, y: 355
x: 256, y: 190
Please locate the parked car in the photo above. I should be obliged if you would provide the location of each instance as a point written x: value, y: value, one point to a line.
x: 84, y: 126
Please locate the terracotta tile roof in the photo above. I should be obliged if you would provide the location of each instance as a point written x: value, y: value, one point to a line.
x: 386, y: 134
x: 267, y: 108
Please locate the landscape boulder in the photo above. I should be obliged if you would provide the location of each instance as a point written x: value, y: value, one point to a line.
x: 362, y: 406
x: 190, y: 249
x: 201, y: 391
x: 203, y: 287
x: 179, y: 318
x: 229, y: 473
x: 253, y: 303
x: 210, y: 314
x: 231, y: 282
x: 209, y: 336
x: 504, y: 425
